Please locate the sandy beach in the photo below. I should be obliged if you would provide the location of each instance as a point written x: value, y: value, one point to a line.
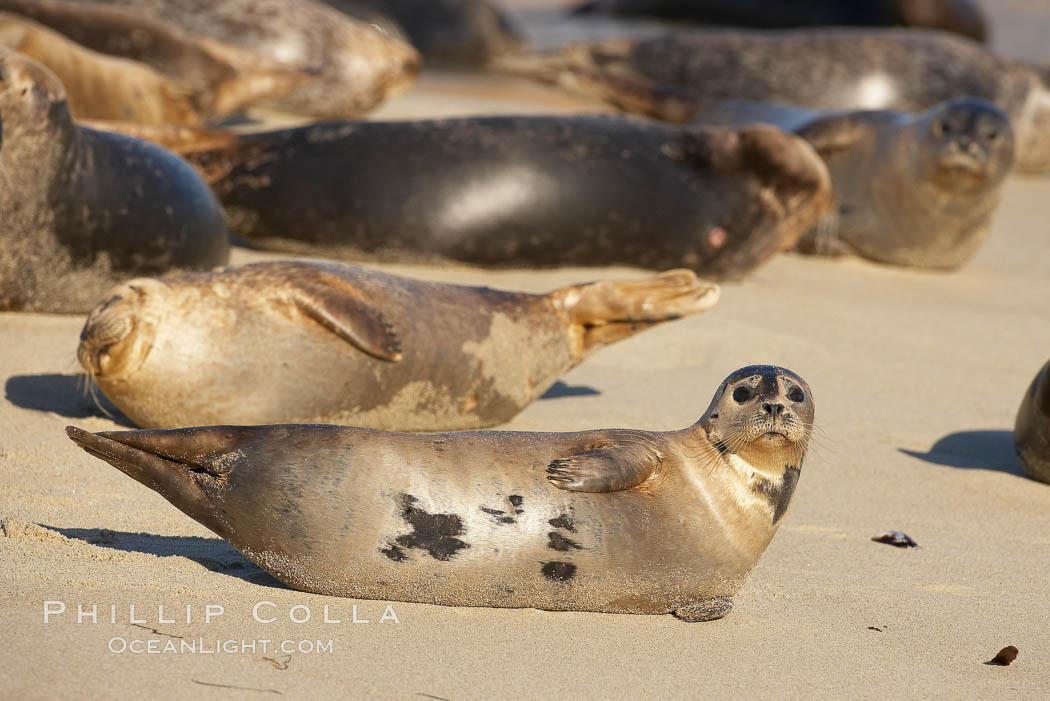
x: 917, y: 377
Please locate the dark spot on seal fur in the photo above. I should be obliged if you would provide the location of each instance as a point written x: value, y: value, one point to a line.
x: 498, y: 515
x: 394, y: 553
x: 779, y: 496
x: 563, y: 521
x: 721, y: 446
x: 558, y: 571
x: 434, y: 533
x: 516, y: 501
x: 561, y: 543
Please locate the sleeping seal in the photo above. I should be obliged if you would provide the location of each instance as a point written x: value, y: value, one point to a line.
x: 618, y: 521
x: 916, y: 190
x: 524, y: 191
x: 292, y: 341
x: 910, y: 70
x: 1032, y: 429
x: 81, y: 210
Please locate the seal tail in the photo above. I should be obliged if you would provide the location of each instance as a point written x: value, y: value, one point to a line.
x: 185, y: 466
x: 612, y: 310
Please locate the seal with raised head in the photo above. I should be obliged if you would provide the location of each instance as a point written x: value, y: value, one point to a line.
x: 618, y: 521
x: 1032, y: 429
x: 675, y: 75
x: 452, y: 33
x: 353, y: 66
x: 959, y: 16
x: 524, y: 191
x: 916, y: 190
x: 218, y: 79
x: 100, y: 86
x: 312, y: 342
x: 81, y: 210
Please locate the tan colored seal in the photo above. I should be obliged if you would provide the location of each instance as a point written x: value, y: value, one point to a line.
x: 100, y: 86
x: 1032, y: 429
x: 619, y: 521
x: 329, y: 342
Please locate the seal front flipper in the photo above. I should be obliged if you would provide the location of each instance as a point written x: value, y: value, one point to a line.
x: 341, y: 308
x: 609, y: 466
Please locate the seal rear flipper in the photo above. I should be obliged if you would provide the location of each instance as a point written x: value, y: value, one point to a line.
x: 341, y: 308
x: 181, y: 139
x: 183, y: 483
x: 615, y: 309
x: 608, y: 466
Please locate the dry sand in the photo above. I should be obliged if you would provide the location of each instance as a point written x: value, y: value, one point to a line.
x: 917, y: 377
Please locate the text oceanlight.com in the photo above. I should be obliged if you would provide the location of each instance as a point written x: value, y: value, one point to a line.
x: 202, y: 646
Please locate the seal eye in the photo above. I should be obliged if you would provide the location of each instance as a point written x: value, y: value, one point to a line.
x: 742, y: 394
x: 991, y: 134
x: 796, y: 395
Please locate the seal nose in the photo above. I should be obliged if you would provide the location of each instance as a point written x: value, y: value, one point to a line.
x: 773, y: 409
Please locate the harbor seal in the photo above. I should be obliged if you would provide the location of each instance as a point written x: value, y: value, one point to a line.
x: 217, y: 78
x: 524, y: 191
x: 336, y: 343
x: 617, y: 521
x: 353, y: 66
x: 1032, y: 429
x: 81, y: 209
x: 448, y: 33
x: 909, y: 70
x: 959, y: 16
x: 914, y: 190
x: 100, y: 86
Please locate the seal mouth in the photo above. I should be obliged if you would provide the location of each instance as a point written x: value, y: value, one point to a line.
x: 774, y: 435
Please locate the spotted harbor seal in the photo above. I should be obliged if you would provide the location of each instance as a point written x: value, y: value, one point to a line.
x: 617, y: 521
x: 959, y: 16
x: 100, y: 86
x: 219, y: 79
x: 354, y: 66
x: 916, y: 190
x: 336, y: 343
x: 1032, y: 430
x: 81, y: 209
x: 910, y: 70
x: 452, y: 33
x: 533, y: 190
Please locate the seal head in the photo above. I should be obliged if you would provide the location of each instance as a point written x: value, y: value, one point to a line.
x: 972, y: 145
x: 1032, y: 429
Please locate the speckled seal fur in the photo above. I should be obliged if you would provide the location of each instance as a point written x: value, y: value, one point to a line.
x: 312, y: 342
x: 900, y: 69
x: 353, y: 66
x: 524, y: 191
x: 915, y: 190
x: 619, y: 521
x: 1032, y: 429
x: 81, y: 209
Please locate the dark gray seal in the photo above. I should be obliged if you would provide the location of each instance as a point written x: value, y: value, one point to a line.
x: 524, y: 191
x: 448, y: 33
x: 917, y: 190
x: 617, y: 521
x: 298, y: 341
x: 960, y: 16
x: 1032, y: 429
x: 908, y: 70
x: 81, y: 210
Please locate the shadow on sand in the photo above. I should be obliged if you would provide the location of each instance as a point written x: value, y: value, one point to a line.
x: 974, y: 450
x: 63, y: 395
x: 560, y: 389
x: 214, y: 554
